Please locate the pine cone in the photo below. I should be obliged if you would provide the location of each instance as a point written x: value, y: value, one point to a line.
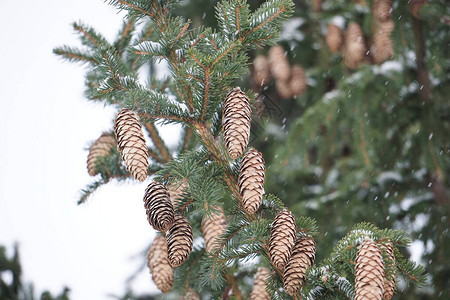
x: 259, y: 288
x: 158, y: 262
x: 179, y: 241
x: 236, y: 117
x: 261, y: 70
x: 369, y: 272
x: 354, y: 48
x: 213, y: 226
x: 303, y: 256
x: 389, y: 283
x: 334, y: 38
x: 251, y: 180
x: 383, y: 48
x: 131, y: 143
x: 284, y: 89
x: 282, y: 238
x: 176, y: 190
x: 279, y: 64
x: 298, y: 80
x: 381, y: 10
x: 160, y: 212
x: 190, y: 295
x: 416, y: 6
x: 100, y: 147
x: 317, y: 5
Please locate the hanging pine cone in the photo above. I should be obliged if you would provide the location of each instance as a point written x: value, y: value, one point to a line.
x: 298, y: 80
x: 236, y: 117
x: 160, y: 212
x: 354, y: 48
x: 383, y: 47
x: 251, y: 180
x: 259, y: 287
x: 389, y: 283
x: 303, y: 256
x: 381, y: 10
x: 176, y: 190
x: 213, y: 225
x: 334, y: 38
x: 279, y: 64
x: 131, y: 143
x: 282, y: 238
x: 158, y: 262
x: 317, y: 5
x: 100, y: 147
x: 190, y: 295
x: 261, y: 70
x: 284, y: 89
x: 369, y: 272
x: 179, y: 241
x: 416, y: 6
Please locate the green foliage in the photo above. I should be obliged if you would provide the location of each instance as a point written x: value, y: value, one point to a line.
x: 358, y: 145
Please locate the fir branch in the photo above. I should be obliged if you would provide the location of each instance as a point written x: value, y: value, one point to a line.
x: 74, y: 55
x: 125, y: 35
x: 158, y: 141
x: 89, y: 37
x: 90, y: 189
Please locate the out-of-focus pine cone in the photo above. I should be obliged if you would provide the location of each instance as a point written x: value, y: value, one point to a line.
x: 282, y: 238
x: 176, y: 190
x: 303, y: 256
x: 298, y: 80
x: 213, y: 225
x: 334, y: 38
x: 369, y: 272
x: 381, y: 10
x: 284, y: 89
x: 160, y: 212
x: 179, y: 241
x: 279, y: 64
x: 190, y: 295
x: 236, y: 117
x: 383, y: 46
x: 354, y: 47
x: 158, y: 262
x: 251, y: 180
x: 261, y: 70
x: 131, y: 143
x: 416, y: 6
x: 317, y: 5
x: 389, y: 282
x: 259, y: 287
x: 101, y: 147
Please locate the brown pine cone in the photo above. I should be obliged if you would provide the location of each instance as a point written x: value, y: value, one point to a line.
x: 282, y: 238
x: 303, y: 256
x: 381, y: 10
x: 236, y: 117
x: 158, y: 262
x: 176, y: 190
x: 416, y: 6
x: 279, y: 64
x: 389, y: 283
x: 383, y: 47
x: 317, y: 5
x: 369, y: 272
x: 354, y: 47
x: 284, y: 89
x: 298, y: 80
x: 179, y: 241
x: 251, y: 180
x: 213, y: 226
x: 190, y: 295
x: 259, y: 287
x: 101, y: 147
x: 261, y: 70
x: 160, y: 212
x: 334, y: 38
x: 131, y: 143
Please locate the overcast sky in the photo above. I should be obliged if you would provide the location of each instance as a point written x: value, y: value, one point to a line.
x: 46, y: 125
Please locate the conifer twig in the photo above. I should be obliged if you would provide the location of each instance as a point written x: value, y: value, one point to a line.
x: 235, y: 287
x: 158, y: 141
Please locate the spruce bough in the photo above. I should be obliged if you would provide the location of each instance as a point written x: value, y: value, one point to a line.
x: 205, y: 64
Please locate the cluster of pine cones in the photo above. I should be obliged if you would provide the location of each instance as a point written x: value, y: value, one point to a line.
x: 353, y: 45
x: 289, y: 81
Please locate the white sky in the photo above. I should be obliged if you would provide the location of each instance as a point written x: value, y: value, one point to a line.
x: 46, y: 124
